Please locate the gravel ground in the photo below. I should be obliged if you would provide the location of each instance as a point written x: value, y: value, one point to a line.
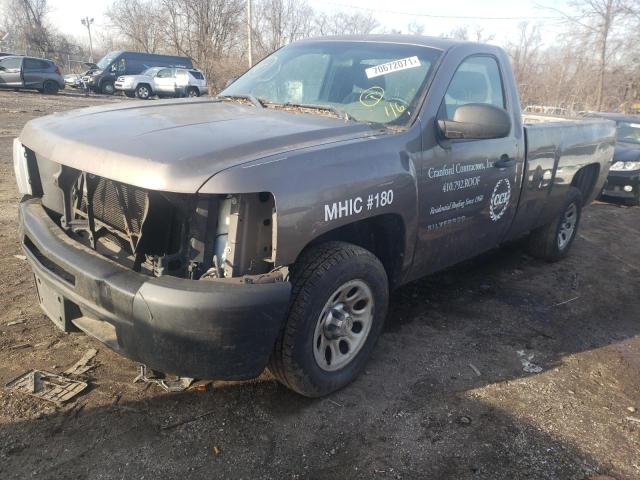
x: 444, y: 396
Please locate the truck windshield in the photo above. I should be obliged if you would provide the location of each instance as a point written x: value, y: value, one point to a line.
x: 107, y: 60
x: 370, y: 82
x: 628, y: 132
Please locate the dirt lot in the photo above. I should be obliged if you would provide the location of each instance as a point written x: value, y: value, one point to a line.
x: 420, y: 411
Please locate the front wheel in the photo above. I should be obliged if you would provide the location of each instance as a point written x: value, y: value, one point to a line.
x: 338, y: 305
x: 143, y: 92
x: 552, y: 242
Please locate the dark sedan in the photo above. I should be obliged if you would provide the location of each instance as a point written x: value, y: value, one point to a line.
x: 623, y: 181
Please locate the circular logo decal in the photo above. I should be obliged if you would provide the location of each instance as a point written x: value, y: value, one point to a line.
x: 372, y: 96
x: 500, y: 199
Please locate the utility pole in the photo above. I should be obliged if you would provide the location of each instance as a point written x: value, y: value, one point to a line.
x: 249, y: 33
x: 86, y: 21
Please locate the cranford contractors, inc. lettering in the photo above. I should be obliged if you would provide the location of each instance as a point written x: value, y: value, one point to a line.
x: 456, y: 168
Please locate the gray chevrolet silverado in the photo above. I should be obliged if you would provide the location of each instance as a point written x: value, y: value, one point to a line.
x: 266, y: 227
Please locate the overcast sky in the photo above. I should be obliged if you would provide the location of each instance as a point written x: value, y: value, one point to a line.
x: 396, y: 14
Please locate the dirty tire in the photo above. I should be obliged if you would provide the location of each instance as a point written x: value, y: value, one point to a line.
x: 50, y: 87
x: 316, y: 276
x: 108, y: 88
x: 545, y: 243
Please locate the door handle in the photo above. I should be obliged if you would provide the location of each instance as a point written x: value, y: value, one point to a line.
x: 505, y: 162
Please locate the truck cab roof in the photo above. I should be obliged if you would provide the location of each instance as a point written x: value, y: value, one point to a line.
x: 438, y: 43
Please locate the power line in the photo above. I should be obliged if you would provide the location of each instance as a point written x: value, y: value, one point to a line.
x: 429, y: 15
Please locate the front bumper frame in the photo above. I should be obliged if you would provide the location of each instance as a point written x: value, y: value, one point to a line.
x: 218, y: 329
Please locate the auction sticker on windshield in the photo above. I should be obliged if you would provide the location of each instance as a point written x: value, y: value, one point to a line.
x: 390, y: 67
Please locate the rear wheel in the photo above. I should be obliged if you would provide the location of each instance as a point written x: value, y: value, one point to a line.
x: 108, y: 88
x: 143, y: 92
x: 193, y: 92
x: 338, y: 305
x: 50, y: 87
x: 553, y: 241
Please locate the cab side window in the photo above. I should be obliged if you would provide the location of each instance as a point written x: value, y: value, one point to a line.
x: 477, y: 80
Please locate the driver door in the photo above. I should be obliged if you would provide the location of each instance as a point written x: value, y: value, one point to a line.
x: 468, y: 188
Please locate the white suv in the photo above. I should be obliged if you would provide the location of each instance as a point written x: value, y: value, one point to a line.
x: 163, y: 82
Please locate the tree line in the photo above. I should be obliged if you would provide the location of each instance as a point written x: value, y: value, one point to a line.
x: 594, y: 64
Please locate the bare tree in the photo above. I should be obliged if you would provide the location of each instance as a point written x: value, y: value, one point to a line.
x: 342, y: 23
x: 595, y: 26
x: 139, y: 22
x: 415, y: 28
x: 462, y: 33
x: 458, y: 33
x: 524, y: 57
x: 25, y: 21
x: 279, y: 22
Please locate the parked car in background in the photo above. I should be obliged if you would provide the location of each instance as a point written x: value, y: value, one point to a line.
x: 623, y: 181
x: 119, y: 63
x: 21, y: 72
x: 163, y: 82
x: 74, y: 80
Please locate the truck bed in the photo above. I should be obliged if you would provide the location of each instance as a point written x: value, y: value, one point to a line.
x: 556, y: 148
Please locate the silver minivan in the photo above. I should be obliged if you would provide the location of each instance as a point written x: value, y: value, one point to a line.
x: 40, y: 74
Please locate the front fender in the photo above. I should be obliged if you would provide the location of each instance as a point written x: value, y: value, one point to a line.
x: 319, y: 189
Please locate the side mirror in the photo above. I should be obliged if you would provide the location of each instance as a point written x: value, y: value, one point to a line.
x: 476, y: 121
x: 230, y: 81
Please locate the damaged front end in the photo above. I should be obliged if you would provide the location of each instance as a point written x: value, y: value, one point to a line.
x: 184, y: 283
x: 162, y: 233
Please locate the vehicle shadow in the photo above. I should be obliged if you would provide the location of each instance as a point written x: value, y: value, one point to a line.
x: 445, y: 395
x: 262, y: 430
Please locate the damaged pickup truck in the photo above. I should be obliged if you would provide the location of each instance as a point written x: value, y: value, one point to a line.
x: 266, y: 227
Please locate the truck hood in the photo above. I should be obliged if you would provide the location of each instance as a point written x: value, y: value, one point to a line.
x: 177, y: 146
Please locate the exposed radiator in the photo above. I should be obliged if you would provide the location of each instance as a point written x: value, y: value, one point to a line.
x: 117, y: 205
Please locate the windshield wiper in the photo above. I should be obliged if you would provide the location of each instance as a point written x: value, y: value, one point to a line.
x: 251, y: 98
x: 327, y: 108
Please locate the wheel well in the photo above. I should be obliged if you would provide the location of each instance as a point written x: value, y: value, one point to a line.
x: 585, y: 180
x: 144, y: 84
x: 383, y: 235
